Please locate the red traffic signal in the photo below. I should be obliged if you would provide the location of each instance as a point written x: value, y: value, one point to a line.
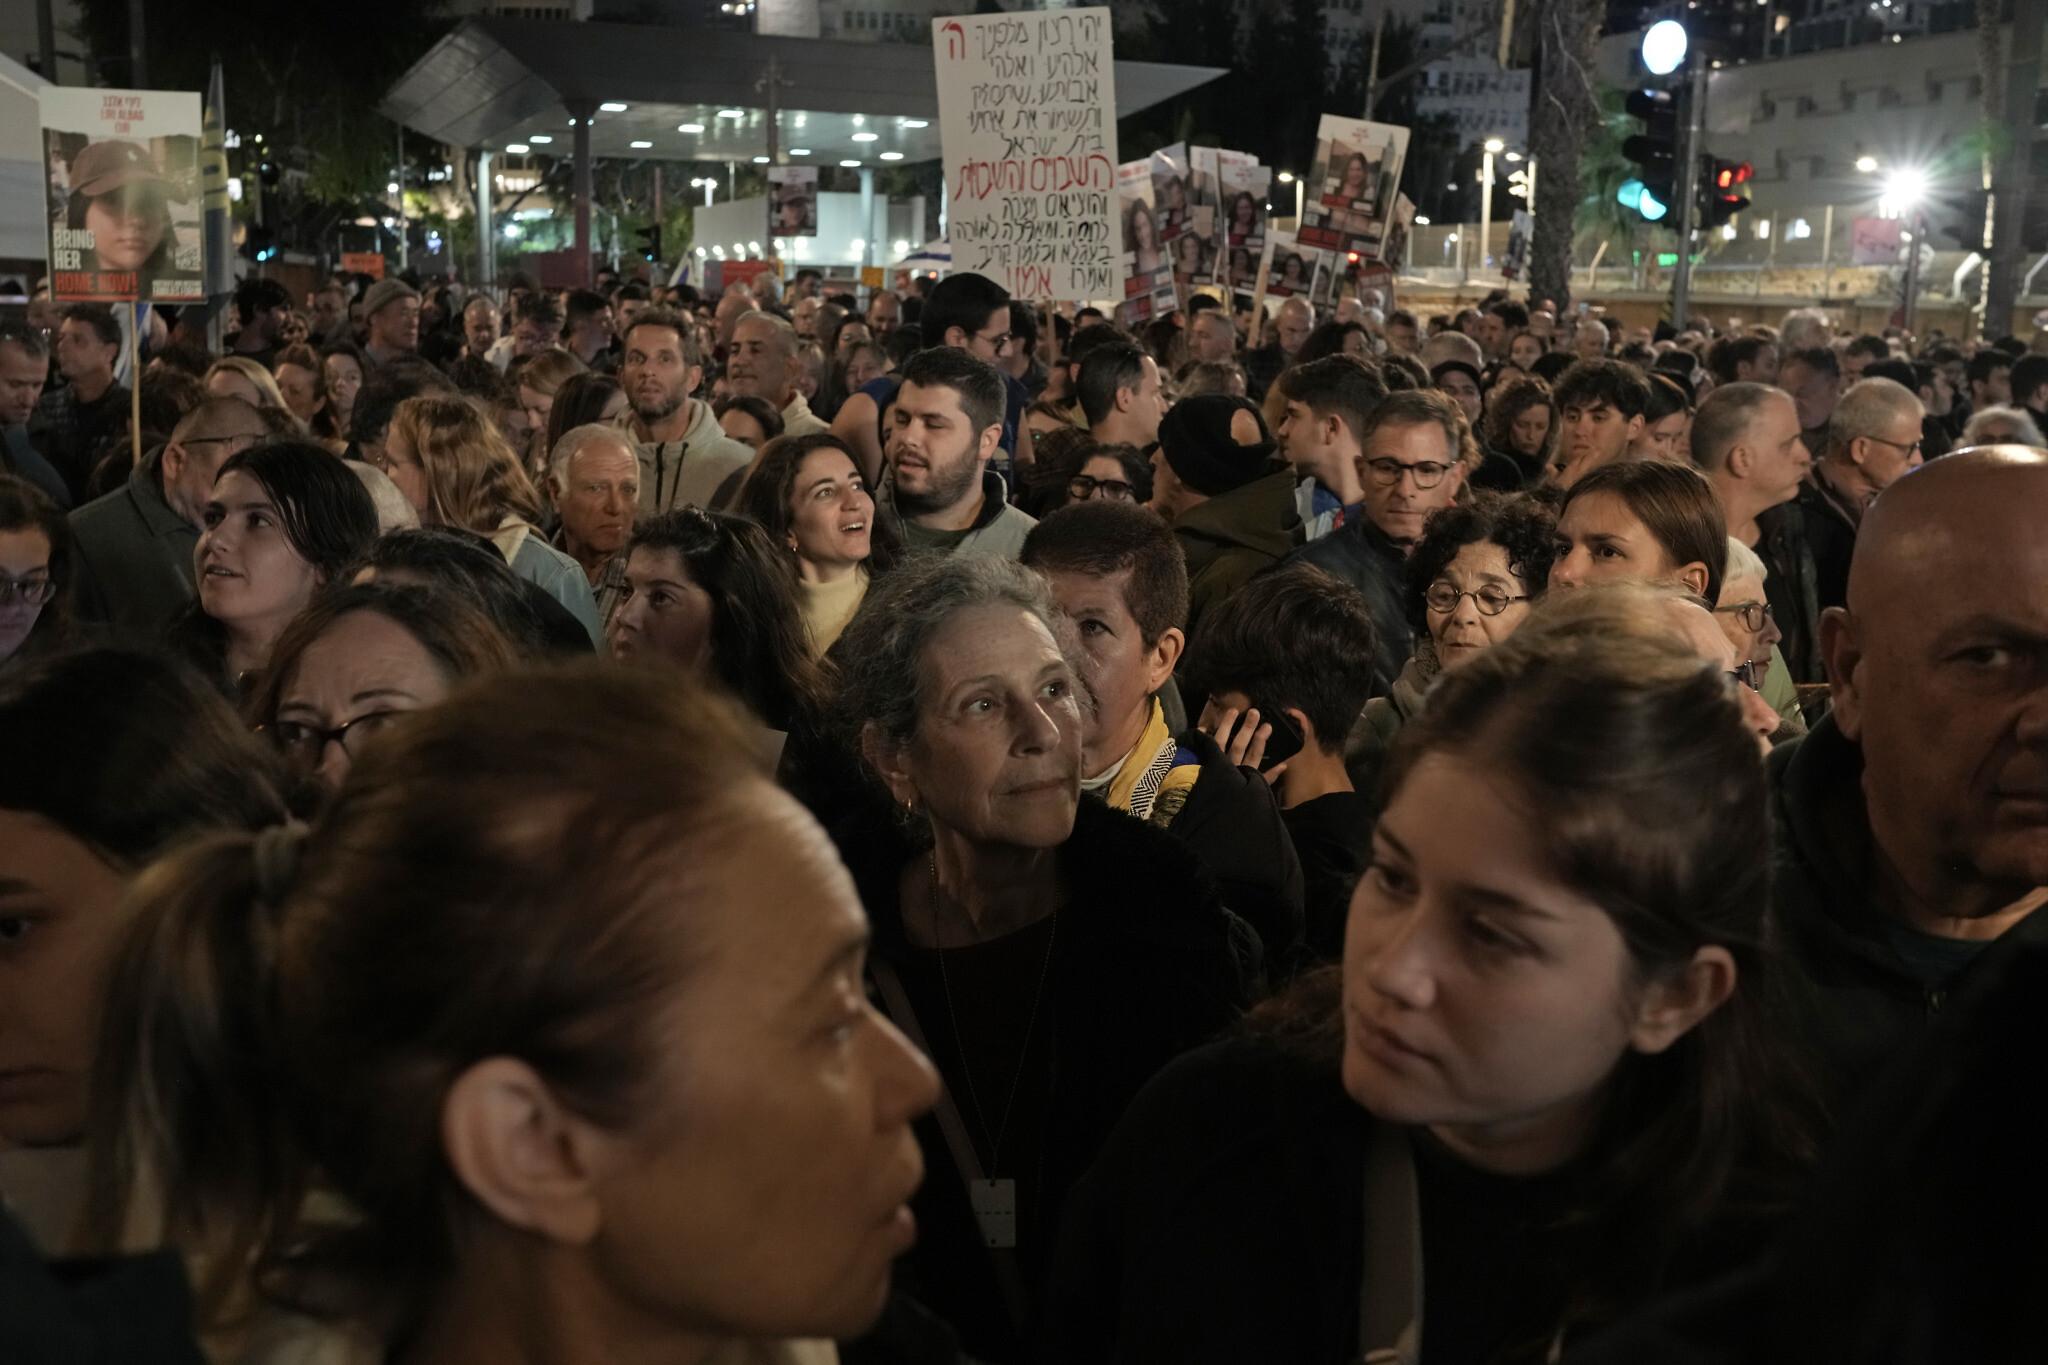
x: 1729, y: 174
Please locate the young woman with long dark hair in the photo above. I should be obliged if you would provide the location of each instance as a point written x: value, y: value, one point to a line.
x: 1545, y: 1084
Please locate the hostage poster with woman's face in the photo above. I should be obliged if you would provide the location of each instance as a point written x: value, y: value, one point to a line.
x: 122, y: 170
x: 1352, y: 186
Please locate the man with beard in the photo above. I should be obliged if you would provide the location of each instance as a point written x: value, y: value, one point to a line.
x: 945, y: 426
x: 682, y: 453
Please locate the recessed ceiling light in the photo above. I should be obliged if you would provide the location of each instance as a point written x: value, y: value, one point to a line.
x: 541, y: 139
x: 760, y: 161
x: 892, y: 156
x: 612, y: 107
x: 515, y: 147
x: 732, y: 113
x: 799, y: 151
x: 638, y: 143
x: 867, y: 137
x: 917, y: 123
x: 849, y: 162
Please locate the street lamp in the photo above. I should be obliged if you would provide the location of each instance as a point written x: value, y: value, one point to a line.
x: 1289, y: 178
x: 707, y: 184
x: 1493, y: 147
x: 1664, y: 47
x: 1905, y: 191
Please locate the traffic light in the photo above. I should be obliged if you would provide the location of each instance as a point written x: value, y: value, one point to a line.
x: 650, y: 241
x: 1655, y: 152
x: 1721, y: 193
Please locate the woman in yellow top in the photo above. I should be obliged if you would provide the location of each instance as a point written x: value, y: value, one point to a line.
x: 809, y: 495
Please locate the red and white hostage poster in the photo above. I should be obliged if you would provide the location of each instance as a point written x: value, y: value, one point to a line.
x: 122, y: 170
x: 1148, y: 270
x: 1352, y: 184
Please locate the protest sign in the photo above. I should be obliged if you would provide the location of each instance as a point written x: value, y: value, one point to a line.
x: 1242, y: 184
x: 1027, y: 121
x: 1148, y: 271
x: 1205, y: 216
x: 1352, y: 184
x: 122, y: 170
x: 792, y: 201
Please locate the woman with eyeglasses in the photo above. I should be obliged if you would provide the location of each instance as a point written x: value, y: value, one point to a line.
x: 809, y: 496
x: 1471, y: 582
x: 35, y: 557
x: 1116, y: 473
x: 359, y: 659
x: 1744, y: 615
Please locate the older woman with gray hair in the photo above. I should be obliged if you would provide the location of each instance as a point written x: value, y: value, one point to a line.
x: 2000, y: 425
x: 1015, y: 924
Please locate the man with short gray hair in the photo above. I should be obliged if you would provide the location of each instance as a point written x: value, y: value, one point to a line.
x: 594, y: 477
x: 1804, y: 329
x: 763, y: 364
x: 1873, y: 440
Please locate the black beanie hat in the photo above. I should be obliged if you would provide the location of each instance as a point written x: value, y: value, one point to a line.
x: 1194, y: 438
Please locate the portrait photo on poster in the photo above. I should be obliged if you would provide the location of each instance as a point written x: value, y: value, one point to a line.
x: 1354, y: 180
x: 1170, y: 191
x: 792, y: 201
x: 122, y: 178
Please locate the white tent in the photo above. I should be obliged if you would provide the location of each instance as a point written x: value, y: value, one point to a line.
x: 24, y: 230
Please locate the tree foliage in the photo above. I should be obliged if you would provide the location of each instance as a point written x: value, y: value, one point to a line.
x: 306, y: 76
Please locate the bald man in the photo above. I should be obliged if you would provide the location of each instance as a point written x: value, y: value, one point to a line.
x: 1289, y: 329
x: 1913, y: 820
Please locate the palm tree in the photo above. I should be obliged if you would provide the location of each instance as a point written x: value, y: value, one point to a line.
x: 1566, y: 109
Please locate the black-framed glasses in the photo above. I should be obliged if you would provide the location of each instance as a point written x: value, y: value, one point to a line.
x: 1750, y: 674
x: 35, y: 592
x: 218, y: 440
x: 1908, y: 447
x: 998, y: 341
x: 1082, y: 488
x: 305, y: 743
x: 1443, y: 597
x: 1751, y: 614
x: 1427, y: 473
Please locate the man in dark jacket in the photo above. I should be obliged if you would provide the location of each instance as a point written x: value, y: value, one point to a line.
x: 131, y: 551
x: 1232, y: 508
x: 1118, y: 575
x: 72, y: 423
x: 1417, y: 454
x: 1873, y: 441
x: 1913, y: 821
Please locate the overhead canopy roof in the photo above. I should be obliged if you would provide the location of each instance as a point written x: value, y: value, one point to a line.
x: 496, y: 82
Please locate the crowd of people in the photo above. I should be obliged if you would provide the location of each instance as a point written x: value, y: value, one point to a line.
x: 1499, y: 838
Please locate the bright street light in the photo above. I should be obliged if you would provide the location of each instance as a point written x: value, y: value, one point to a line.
x: 1496, y: 146
x: 1664, y: 47
x: 1287, y: 177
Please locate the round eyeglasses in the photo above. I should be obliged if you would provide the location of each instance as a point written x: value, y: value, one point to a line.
x: 1751, y: 614
x: 1443, y: 598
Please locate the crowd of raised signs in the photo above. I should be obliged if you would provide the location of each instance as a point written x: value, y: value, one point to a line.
x: 625, y: 824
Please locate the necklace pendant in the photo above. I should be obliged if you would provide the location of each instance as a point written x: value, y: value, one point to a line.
x: 995, y: 1210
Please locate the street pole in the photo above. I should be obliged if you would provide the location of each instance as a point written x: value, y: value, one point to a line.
x: 401, y: 198
x: 580, y: 114
x: 486, y: 240
x: 46, y: 39
x: 1485, y: 207
x: 1913, y: 270
x: 1689, y: 185
x: 1827, y: 259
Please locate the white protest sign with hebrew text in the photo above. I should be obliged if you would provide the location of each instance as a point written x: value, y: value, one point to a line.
x: 1027, y: 118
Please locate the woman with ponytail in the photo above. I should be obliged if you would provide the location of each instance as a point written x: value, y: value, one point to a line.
x: 547, y: 1043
